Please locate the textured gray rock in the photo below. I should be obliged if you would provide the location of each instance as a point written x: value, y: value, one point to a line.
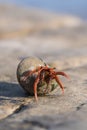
x: 64, y: 48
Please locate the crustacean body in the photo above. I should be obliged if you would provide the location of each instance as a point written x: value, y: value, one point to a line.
x: 37, y: 78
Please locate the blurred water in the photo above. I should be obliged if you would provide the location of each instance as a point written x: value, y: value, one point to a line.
x: 74, y: 7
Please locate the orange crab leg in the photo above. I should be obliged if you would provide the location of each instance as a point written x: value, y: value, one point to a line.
x: 63, y: 74
x: 36, y: 83
x: 35, y: 87
x: 59, y: 82
x: 30, y: 73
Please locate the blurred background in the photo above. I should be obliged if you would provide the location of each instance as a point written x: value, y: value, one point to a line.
x: 50, y: 29
x: 56, y: 31
x: 74, y: 7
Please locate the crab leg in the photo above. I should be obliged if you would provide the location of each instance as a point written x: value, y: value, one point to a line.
x: 36, y: 83
x: 35, y: 87
x: 27, y: 74
x: 59, y: 82
x: 63, y: 74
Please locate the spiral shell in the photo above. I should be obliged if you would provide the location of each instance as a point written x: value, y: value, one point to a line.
x: 27, y: 65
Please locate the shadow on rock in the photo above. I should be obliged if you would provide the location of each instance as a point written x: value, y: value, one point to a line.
x: 11, y: 90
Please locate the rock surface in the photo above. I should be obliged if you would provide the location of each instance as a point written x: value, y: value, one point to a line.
x: 61, y: 42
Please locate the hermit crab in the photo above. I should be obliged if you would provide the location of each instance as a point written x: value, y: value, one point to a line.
x: 38, y: 78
